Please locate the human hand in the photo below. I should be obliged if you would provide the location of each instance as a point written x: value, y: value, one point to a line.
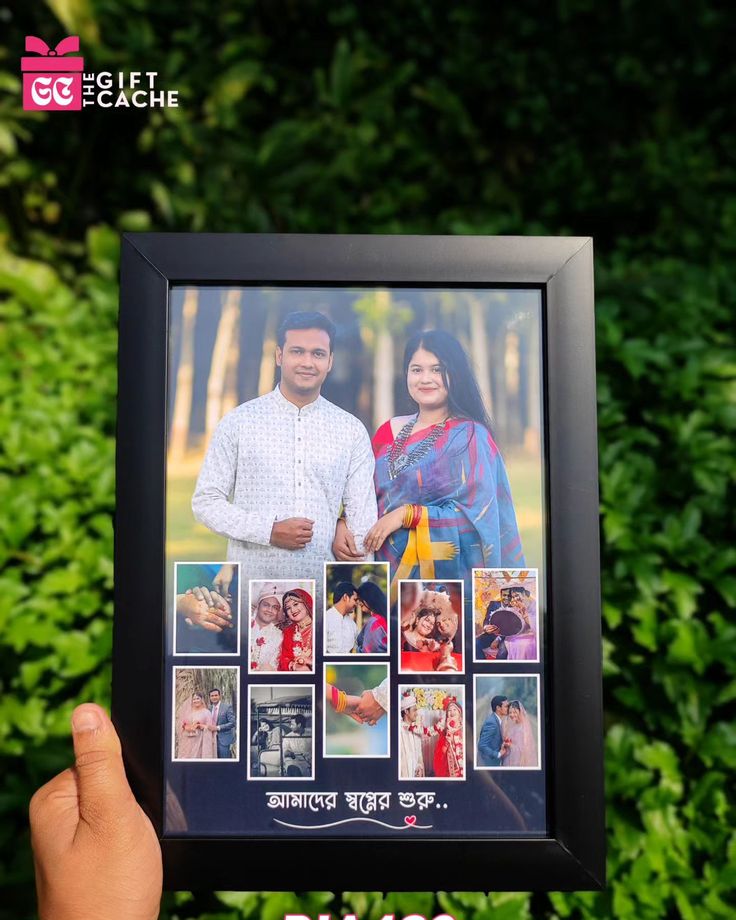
x: 382, y: 529
x: 351, y: 704
x: 293, y: 533
x: 204, y: 609
x: 301, y: 664
x: 211, y: 728
x: 211, y: 598
x: 343, y: 545
x: 369, y: 709
x: 427, y: 645
x: 491, y: 630
x: 221, y: 581
x: 95, y: 852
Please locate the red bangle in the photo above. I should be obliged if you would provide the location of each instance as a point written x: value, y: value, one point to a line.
x: 417, y: 516
x: 335, y: 697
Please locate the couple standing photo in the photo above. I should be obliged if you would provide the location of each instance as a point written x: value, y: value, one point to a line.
x: 205, y: 719
x: 292, y: 480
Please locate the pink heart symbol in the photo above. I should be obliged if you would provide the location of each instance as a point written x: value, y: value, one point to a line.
x: 411, y: 820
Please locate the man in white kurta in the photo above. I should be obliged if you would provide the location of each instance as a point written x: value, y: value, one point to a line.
x: 341, y: 630
x: 280, y: 468
x: 411, y: 763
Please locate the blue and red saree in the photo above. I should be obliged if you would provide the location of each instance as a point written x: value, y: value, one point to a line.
x: 468, y: 519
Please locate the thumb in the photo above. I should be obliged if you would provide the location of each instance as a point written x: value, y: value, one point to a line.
x: 103, y: 787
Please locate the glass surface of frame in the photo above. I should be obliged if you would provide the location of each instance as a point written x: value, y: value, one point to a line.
x: 266, y: 427
x: 270, y: 727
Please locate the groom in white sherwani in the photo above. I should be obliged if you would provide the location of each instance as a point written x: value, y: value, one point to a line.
x: 411, y: 762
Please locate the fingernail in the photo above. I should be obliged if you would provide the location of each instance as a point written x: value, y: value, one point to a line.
x: 85, y: 719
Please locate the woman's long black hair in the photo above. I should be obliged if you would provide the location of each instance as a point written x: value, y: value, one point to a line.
x: 457, y: 374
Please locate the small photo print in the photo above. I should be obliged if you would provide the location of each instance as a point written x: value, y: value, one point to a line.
x: 431, y: 618
x: 355, y: 710
x: 206, y: 608
x: 505, y: 615
x: 205, y: 714
x: 356, y: 608
x: 507, y: 726
x: 281, y: 635
x: 432, y: 732
x: 281, y: 732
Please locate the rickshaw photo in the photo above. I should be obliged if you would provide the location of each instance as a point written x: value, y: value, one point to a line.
x: 281, y: 732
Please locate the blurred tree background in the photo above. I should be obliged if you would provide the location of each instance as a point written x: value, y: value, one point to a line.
x: 612, y: 119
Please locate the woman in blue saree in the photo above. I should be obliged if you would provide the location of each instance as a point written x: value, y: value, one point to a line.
x: 444, y: 500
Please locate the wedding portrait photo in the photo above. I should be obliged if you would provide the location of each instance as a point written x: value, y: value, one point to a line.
x: 281, y: 636
x: 206, y: 608
x: 356, y: 705
x: 432, y: 732
x: 311, y: 425
x: 507, y: 723
x: 431, y: 623
x: 205, y: 724
x: 505, y: 615
x: 280, y: 732
x: 356, y: 608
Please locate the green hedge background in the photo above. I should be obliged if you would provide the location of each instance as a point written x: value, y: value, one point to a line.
x: 612, y: 119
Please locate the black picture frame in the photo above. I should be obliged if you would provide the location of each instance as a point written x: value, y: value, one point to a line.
x: 572, y: 857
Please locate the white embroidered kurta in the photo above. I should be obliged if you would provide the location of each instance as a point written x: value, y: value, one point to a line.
x: 269, y: 460
x: 410, y: 752
x: 380, y: 694
x: 341, y: 631
x: 265, y: 646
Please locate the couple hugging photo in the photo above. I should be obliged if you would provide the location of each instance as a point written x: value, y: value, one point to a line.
x: 292, y: 480
x: 431, y: 617
x: 507, y: 722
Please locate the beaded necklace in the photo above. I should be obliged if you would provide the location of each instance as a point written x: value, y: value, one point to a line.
x: 398, y: 461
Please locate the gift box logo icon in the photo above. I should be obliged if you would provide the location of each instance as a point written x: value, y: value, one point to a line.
x: 52, y: 82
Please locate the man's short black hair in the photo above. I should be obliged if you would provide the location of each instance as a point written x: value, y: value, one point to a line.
x: 215, y: 690
x: 497, y: 701
x: 299, y: 719
x: 345, y: 587
x: 304, y: 319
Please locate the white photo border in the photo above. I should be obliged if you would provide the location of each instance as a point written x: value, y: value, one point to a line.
x: 445, y: 581
x: 497, y: 675
x: 357, y: 655
x: 351, y: 664
x: 433, y: 779
x: 504, y: 662
x: 210, y: 760
x: 279, y: 779
x: 174, y: 653
x: 286, y: 581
